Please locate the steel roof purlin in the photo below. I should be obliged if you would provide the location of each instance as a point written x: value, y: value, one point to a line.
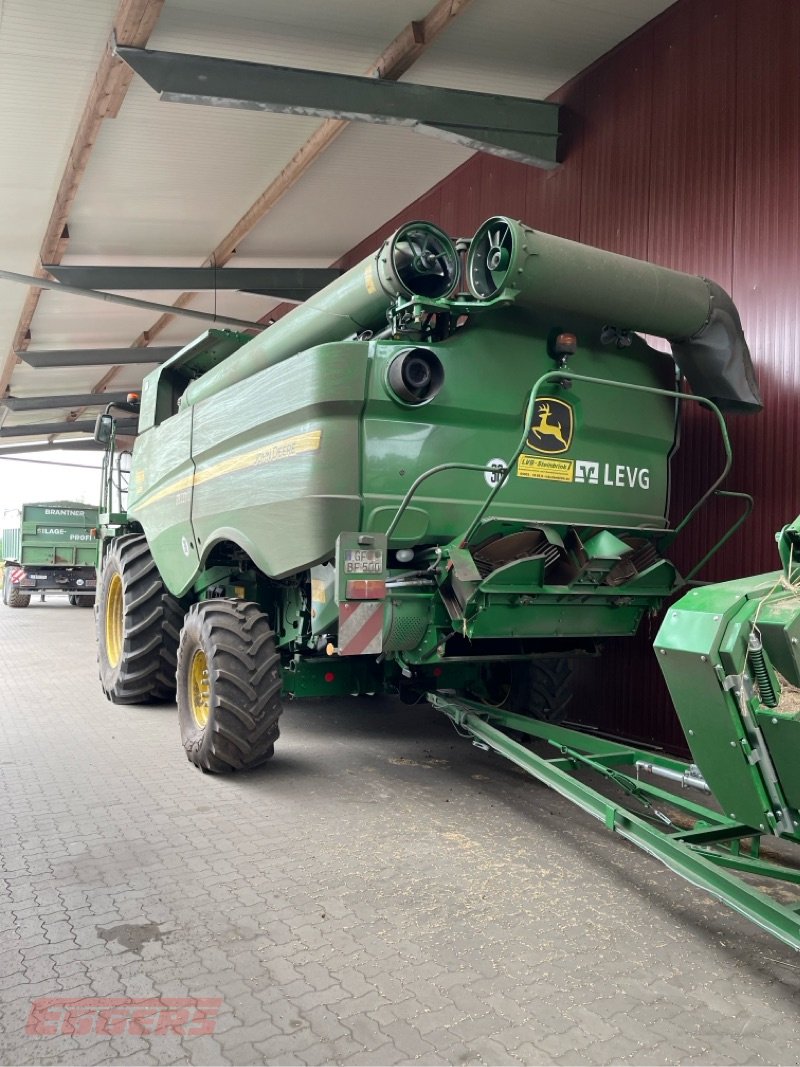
x: 513, y: 127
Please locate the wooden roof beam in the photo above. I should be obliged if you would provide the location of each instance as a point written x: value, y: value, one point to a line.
x: 133, y: 25
x: 398, y: 57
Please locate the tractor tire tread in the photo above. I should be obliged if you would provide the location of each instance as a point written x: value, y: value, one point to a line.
x: 545, y: 690
x: 245, y: 686
x: 14, y: 598
x: 146, y: 672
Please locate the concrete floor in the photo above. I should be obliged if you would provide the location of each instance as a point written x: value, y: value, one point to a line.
x: 381, y: 892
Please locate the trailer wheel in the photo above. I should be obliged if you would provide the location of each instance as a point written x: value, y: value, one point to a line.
x: 542, y: 689
x: 229, y: 686
x: 138, y: 623
x: 13, y: 597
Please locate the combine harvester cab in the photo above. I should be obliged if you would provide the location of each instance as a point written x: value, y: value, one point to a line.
x: 404, y: 486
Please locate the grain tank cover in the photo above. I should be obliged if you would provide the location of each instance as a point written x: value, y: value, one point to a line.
x: 540, y: 271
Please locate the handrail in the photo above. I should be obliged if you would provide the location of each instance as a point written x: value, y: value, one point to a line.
x: 504, y: 471
x: 750, y: 503
x: 559, y: 375
x: 418, y: 482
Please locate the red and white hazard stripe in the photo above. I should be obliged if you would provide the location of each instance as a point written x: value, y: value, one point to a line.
x: 16, y: 575
x: 360, y: 628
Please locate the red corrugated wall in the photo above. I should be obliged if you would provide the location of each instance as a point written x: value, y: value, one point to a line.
x: 682, y: 147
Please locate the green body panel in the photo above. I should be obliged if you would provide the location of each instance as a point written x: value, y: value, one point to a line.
x: 477, y: 417
x: 325, y: 677
x: 52, y: 533
x: 688, y: 649
x: 280, y: 463
x: 748, y: 754
x: 274, y: 469
x: 782, y: 735
x: 160, y: 498
x: 548, y: 617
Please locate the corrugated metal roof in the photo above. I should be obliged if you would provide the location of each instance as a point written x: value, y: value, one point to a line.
x: 528, y: 47
x: 165, y: 182
x: 48, y: 57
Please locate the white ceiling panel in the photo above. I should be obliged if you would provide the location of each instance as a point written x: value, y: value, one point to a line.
x: 59, y: 380
x: 65, y: 321
x: 66, y: 380
x: 364, y: 178
x: 177, y: 177
x: 49, y: 52
x: 340, y: 35
x: 166, y: 182
x: 528, y: 47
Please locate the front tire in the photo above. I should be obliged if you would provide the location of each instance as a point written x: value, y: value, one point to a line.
x: 229, y: 686
x: 138, y: 623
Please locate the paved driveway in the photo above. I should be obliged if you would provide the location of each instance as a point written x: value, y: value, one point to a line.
x: 382, y: 892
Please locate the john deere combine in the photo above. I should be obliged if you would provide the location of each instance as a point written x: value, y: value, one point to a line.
x: 409, y: 487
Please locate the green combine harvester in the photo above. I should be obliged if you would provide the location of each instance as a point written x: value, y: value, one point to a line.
x: 404, y: 486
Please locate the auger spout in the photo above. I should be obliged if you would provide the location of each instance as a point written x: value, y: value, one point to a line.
x: 418, y: 259
x: 547, y: 273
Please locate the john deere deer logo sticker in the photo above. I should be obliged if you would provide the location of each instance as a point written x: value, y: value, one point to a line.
x: 552, y: 433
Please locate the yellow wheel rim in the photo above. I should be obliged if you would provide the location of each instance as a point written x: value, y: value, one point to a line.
x: 199, y: 688
x: 114, y: 620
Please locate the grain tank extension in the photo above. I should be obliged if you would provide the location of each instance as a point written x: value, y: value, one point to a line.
x: 446, y: 491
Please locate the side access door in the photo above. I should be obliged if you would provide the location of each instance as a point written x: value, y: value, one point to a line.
x: 160, y: 497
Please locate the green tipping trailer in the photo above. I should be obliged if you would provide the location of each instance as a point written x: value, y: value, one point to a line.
x: 450, y: 494
x: 50, y: 547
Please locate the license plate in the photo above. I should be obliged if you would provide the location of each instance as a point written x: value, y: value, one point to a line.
x: 363, y: 561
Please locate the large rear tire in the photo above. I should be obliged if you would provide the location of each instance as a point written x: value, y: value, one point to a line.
x: 12, y: 595
x: 543, y: 689
x: 229, y: 686
x: 539, y: 688
x: 138, y: 623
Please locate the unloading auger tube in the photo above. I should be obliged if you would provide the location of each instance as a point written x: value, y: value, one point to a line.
x: 541, y: 271
x: 419, y: 259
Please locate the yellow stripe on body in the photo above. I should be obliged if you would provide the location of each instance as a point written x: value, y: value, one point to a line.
x: 271, y: 453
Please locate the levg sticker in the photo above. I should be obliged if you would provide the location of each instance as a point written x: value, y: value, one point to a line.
x: 551, y: 470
